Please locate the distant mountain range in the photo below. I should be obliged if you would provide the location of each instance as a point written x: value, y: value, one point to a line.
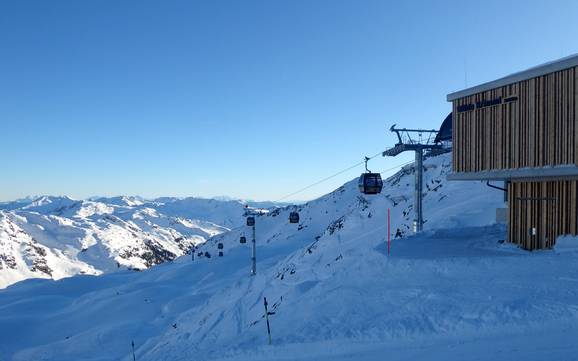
x: 55, y: 237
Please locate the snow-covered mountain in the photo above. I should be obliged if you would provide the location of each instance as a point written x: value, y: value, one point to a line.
x: 453, y: 292
x: 56, y: 237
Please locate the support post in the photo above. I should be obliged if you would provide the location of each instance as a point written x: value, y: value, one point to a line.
x: 418, y: 216
x: 254, y: 255
x: 267, y: 318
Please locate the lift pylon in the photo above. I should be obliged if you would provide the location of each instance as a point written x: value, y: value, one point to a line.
x: 415, y: 140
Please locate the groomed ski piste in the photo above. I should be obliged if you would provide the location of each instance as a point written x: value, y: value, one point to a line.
x: 453, y: 292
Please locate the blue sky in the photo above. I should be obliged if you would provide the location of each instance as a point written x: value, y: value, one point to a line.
x: 251, y: 99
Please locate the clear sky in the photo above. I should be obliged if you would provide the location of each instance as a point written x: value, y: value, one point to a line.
x: 250, y: 99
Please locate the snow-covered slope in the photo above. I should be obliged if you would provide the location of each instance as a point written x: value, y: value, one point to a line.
x: 454, y: 292
x: 56, y: 237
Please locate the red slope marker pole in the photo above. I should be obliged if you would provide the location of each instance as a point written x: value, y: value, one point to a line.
x: 388, y: 232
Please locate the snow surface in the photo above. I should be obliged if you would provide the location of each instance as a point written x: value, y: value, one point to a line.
x: 454, y: 292
x: 56, y: 237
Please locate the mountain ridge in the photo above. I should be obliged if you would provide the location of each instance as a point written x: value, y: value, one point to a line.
x: 58, y: 236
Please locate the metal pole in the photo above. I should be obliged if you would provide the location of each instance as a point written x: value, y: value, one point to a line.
x: 418, y: 217
x: 254, y: 256
x: 267, y: 318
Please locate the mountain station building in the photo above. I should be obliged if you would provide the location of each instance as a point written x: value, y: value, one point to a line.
x: 522, y: 129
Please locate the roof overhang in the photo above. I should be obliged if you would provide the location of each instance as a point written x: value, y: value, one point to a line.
x: 547, y: 68
x: 561, y: 172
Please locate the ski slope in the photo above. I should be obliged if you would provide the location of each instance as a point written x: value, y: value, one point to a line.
x: 453, y: 292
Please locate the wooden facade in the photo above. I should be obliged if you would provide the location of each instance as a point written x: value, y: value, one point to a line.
x: 541, y: 211
x: 537, y: 129
x: 527, y: 124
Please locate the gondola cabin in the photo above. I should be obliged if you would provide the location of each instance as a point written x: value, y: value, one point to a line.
x: 294, y: 217
x: 243, y: 240
x: 370, y: 183
x: 250, y: 221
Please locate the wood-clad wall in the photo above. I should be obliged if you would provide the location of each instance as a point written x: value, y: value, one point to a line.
x: 538, y: 129
x: 549, y: 207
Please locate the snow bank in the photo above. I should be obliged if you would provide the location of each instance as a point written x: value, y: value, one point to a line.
x: 566, y: 244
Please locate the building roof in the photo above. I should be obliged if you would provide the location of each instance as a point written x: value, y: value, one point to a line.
x: 445, y: 132
x: 547, y: 68
x: 557, y: 172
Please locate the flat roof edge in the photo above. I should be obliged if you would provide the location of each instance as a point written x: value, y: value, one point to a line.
x: 568, y: 171
x: 547, y: 68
